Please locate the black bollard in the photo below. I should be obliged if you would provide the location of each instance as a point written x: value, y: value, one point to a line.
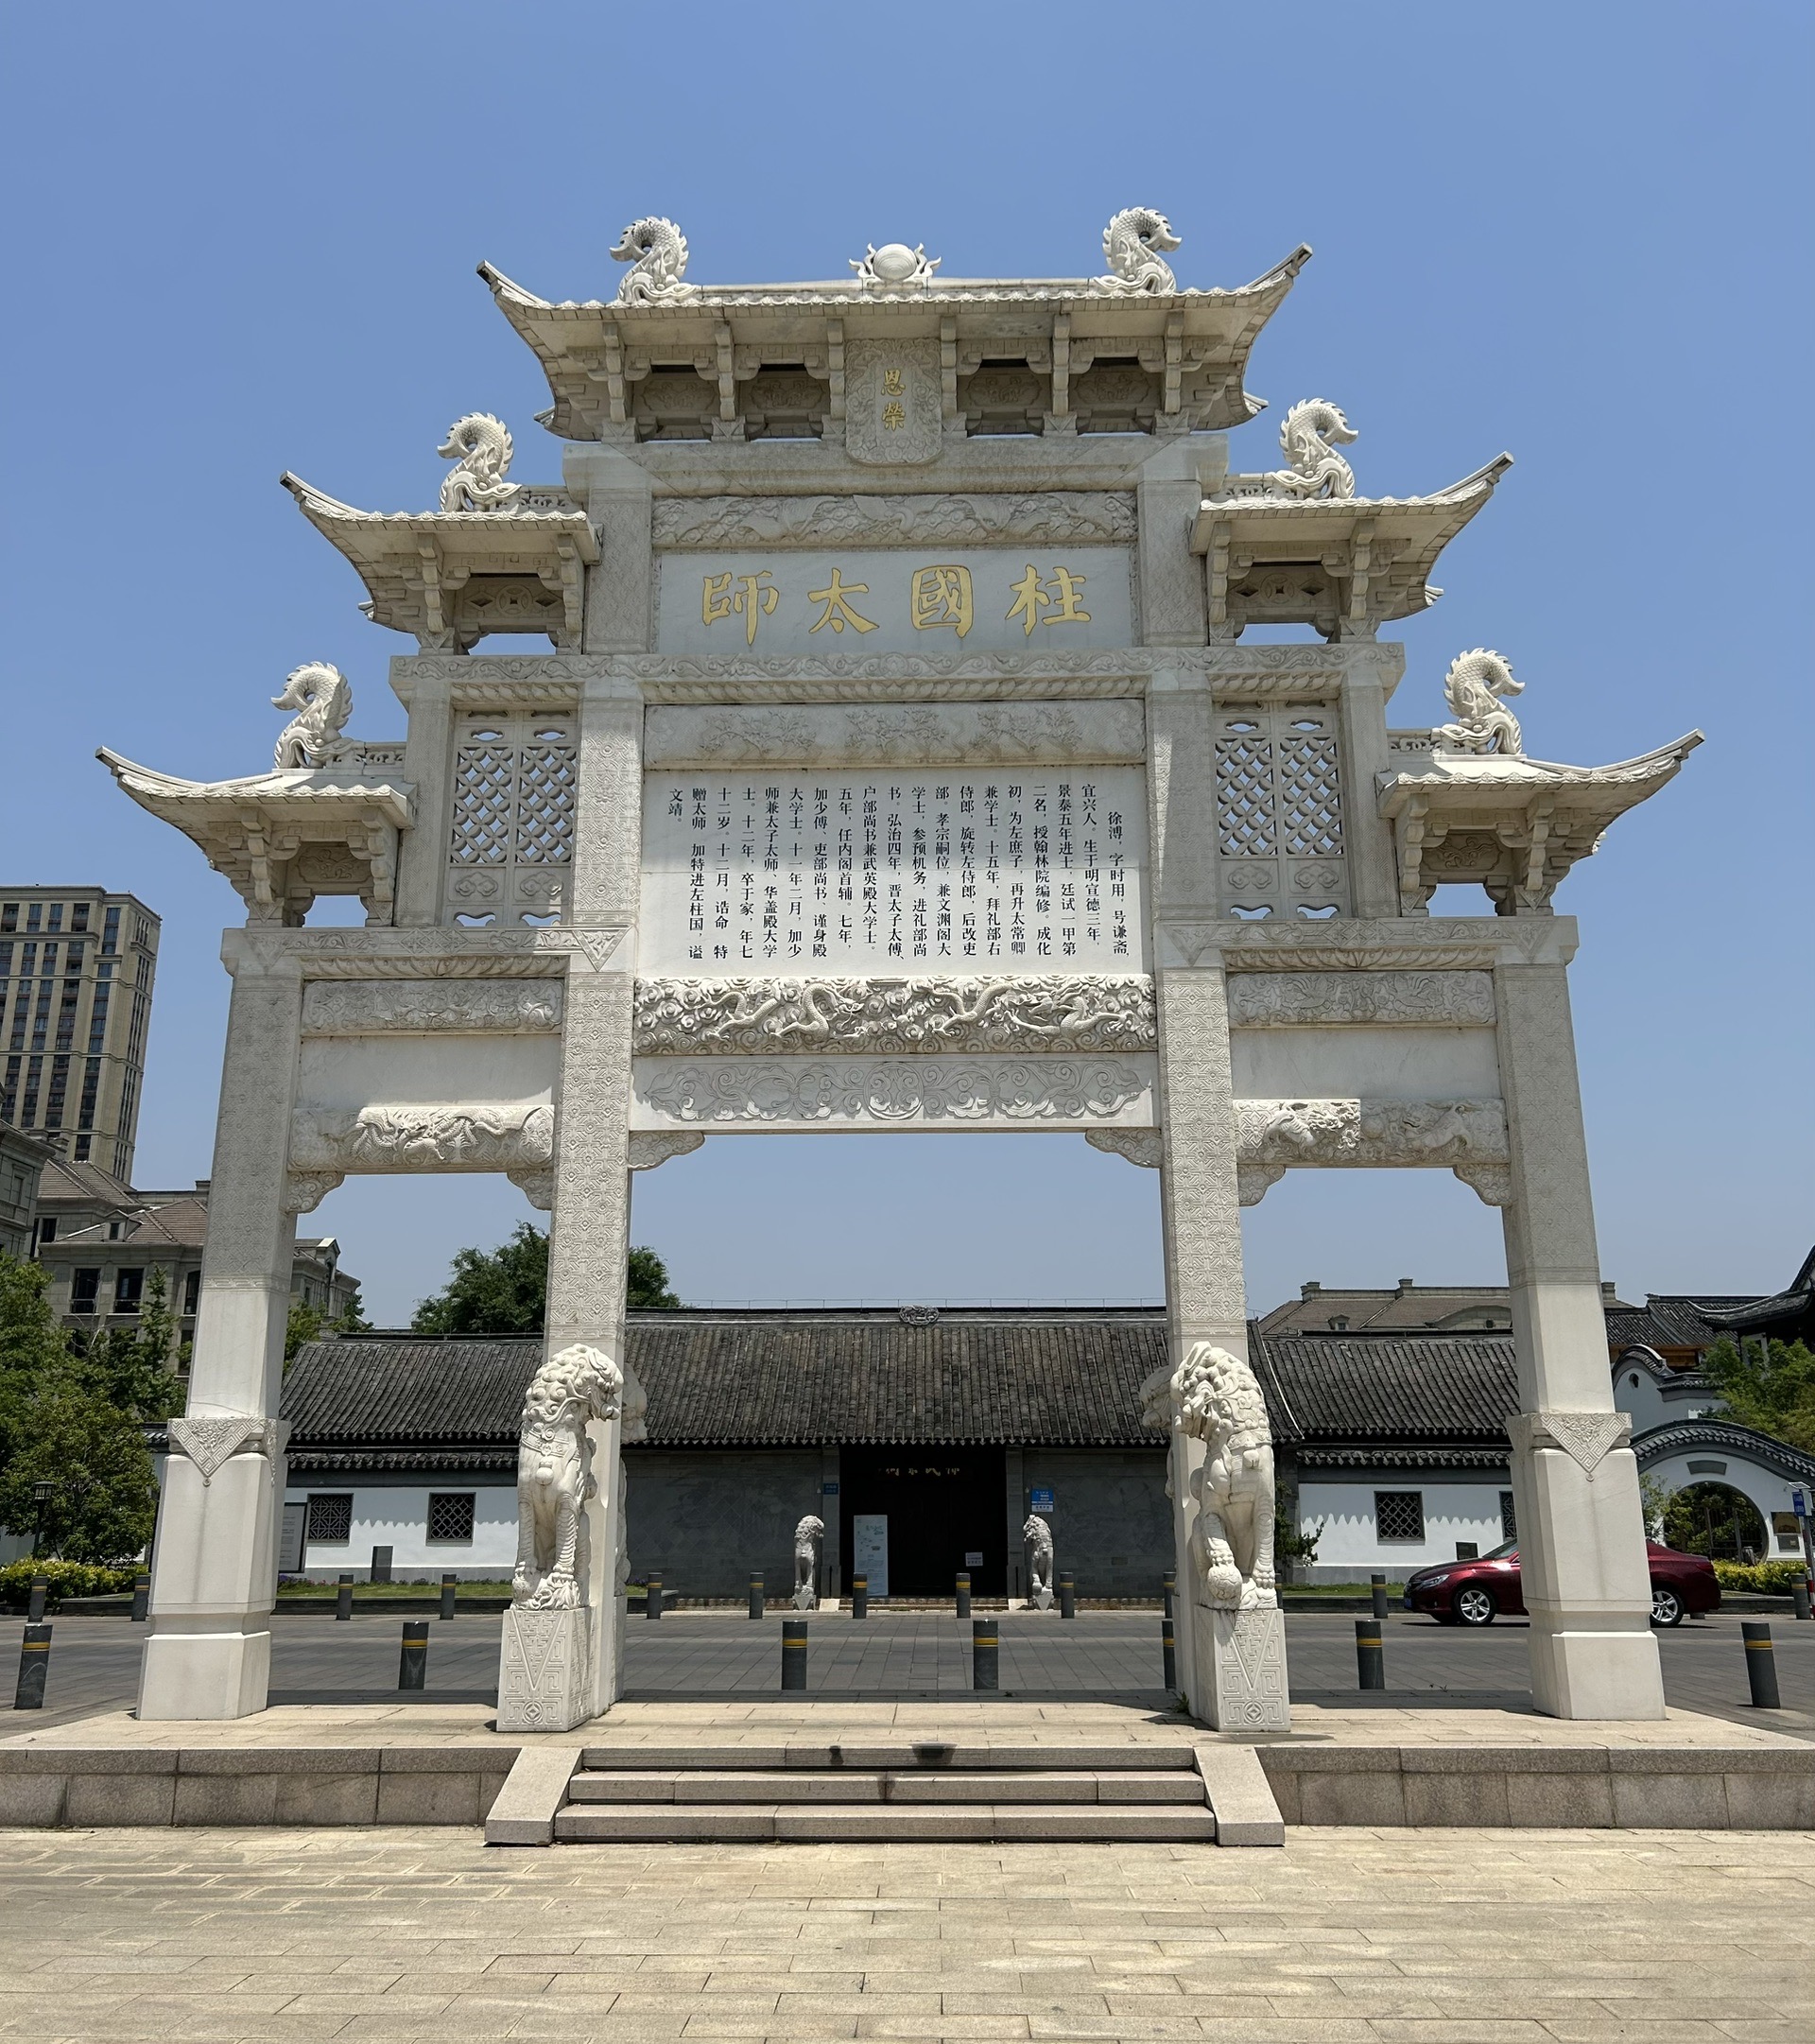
x: 1798, y: 1598
x: 964, y: 1593
x: 1378, y: 1586
x: 1169, y: 1657
x: 793, y: 1653
x: 412, y: 1665
x: 343, y: 1599
x: 985, y: 1647
x: 39, y: 1590
x: 1067, y: 1596
x: 758, y: 1594
x: 141, y: 1598
x: 653, y: 1598
x: 1169, y: 1584
x: 450, y: 1584
x: 859, y: 1597
x: 381, y: 1565
x: 1369, y: 1654
x: 1761, y: 1664
x: 34, y: 1665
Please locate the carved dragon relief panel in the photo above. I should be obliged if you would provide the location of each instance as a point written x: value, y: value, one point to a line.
x: 494, y: 1007
x: 1049, y: 515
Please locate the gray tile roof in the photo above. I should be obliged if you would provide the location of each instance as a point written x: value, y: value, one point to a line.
x: 1430, y: 1388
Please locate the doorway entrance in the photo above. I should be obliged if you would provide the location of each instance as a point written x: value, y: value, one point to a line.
x: 942, y: 1506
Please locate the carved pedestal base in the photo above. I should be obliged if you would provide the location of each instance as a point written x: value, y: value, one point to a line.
x: 1241, y: 1670
x: 546, y: 1670
x: 805, y: 1597
x: 1041, y: 1600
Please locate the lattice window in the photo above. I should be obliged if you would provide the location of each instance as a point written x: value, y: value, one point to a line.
x: 512, y: 835
x: 1279, y: 811
x: 1509, y: 1518
x: 331, y: 1517
x: 1399, y: 1514
x: 450, y: 1515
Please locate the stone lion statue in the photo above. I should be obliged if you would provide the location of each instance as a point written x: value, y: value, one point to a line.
x: 807, y: 1535
x: 554, y: 1474
x: 1038, y: 1536
x: 1220, y: 1403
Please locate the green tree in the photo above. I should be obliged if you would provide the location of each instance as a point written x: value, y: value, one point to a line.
x: 302, y: 1324
x: 133, y: 1369
x: 505, y: 1291
x: 1771, y: 1388
x: 352, y: 1319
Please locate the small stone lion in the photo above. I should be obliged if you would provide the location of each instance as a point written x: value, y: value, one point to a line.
x: 1038, y: 1536
x: 807, y: 1535
x: 554, y: 1474
x: 1220, y: 1403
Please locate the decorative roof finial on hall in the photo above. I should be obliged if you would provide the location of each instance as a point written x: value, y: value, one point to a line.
x: 658, y: 250
x: 1474, y: 683
x: 479, y: 446
x: 1313, y: 430
x: 1132, y: 246
x: 323, y: 699
x: 894, y: 266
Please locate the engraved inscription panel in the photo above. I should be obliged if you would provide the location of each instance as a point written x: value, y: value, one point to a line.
x: 894, y: 872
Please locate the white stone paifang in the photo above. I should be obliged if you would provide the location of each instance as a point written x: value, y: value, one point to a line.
x: 1047, y: 1013
x: 924, y: 871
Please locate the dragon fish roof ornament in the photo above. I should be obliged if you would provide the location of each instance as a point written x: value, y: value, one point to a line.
x: 1474, y: 686
x: 1133, y: 243
x: 657, y: 251
x: 479, y: 446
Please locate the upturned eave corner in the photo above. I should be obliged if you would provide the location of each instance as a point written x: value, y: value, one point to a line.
x: 287, y: 838
x: 1513, y: 825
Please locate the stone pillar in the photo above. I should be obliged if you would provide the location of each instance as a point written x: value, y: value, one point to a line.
x: 214, y: 1568
x: 589, y: 1233
x: 428, y: 767
x: 1574, y: 1481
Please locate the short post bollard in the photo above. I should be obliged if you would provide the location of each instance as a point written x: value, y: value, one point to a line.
x: 758, y: 1594
x: 450, y: 1585
x: 964, y: 1593
x: 1169, y: 1657
x: 653, y: 1598
x: 1067, y: 1596
x: 859, y: 1597
x: 793, y: 1653
x: 1761, y: 1664
x: 1369, y: 1654
x: 343, y: 1599
x: 412, y: 1664
x: 34, y: 1665
x: 1799, y: 1597
x: 39, y: 1590
x: 1168, y: 1585
x: 1377, y: 1588
x: 141, y: 1598
x: 381, y: 1565
x: 985, y: 1646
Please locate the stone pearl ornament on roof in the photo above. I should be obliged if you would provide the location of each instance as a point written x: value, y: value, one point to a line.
x: 548, y: 988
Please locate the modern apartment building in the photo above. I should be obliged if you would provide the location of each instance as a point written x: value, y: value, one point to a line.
x: 76, y: 971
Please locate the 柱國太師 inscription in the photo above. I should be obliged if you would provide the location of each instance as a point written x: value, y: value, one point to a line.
x: 930, y: 869
x: 991, y: 600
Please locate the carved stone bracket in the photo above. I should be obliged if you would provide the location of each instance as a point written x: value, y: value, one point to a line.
x: 1145, y: 1146
x: 305, y: 1189
x: 1017, y: 1013
x: 211, y: 1440
x: 651, y: 1147
x: 1586, y: 1438
x: 537, y: 1185
x: 1468, y: 1136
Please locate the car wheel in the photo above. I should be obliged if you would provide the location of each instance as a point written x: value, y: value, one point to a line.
x: 1666, y: 1606
x: 1475, y: 1605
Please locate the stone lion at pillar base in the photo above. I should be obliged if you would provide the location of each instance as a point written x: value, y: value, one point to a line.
x: 555, y: 1481
x: 1220, y: 1403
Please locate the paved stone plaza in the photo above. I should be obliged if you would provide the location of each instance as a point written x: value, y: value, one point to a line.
x: 915, y: 1655
x: 1454, y: 1938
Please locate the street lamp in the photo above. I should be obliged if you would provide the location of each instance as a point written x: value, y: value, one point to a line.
x: 42, y: 1493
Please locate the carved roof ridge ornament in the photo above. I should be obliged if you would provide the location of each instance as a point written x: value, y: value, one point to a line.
x: 1473, y: 687
x: 479, y: 446
x: 1249, y: 493
x: 657, y: 252
x: 1133, y: 246
x: 323, y: 699
x: 895, y: 266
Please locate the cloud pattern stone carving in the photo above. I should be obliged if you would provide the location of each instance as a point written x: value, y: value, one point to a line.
x: 1258, y: 1000
x: 496, y: 1007
x: 1467, y: 1136
x: 889, y: 1091
x: 409, y: 1136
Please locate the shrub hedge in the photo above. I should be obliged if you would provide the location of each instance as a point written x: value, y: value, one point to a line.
x: 68, y: 1579
x: 1764, y: 1579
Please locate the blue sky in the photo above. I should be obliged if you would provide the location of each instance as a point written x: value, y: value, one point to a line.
x: 243, y: 240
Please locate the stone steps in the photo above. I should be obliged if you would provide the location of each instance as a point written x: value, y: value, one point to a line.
x: 879, y: 1822
x: 855, y: 1787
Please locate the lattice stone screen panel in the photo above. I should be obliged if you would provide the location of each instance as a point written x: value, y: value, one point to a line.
x: 1279, y: 812
x: 512, y: 837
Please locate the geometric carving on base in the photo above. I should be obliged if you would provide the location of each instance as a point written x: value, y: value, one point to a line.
x: 212, y: 1440
x: 546, y: 1670
x: 1241, y: 1670
x: 1586, y: 1438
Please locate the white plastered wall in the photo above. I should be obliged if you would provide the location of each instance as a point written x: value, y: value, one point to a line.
x: 396, y: 1515
x: 1349, y: 1548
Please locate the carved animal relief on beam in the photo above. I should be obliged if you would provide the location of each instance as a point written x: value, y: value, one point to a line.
x: 1468, y: 1136
x: 891, y: 1092
x: 493, y: 1007
x: 412, y: 1137
x: 1049, y: 516
x: 1050, y: 1013
x: 1314, y: 999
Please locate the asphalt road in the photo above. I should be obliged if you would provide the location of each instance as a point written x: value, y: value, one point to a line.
x: 94, y: 1662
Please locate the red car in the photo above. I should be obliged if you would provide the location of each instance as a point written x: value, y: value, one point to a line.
x: 1476, y: 1592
